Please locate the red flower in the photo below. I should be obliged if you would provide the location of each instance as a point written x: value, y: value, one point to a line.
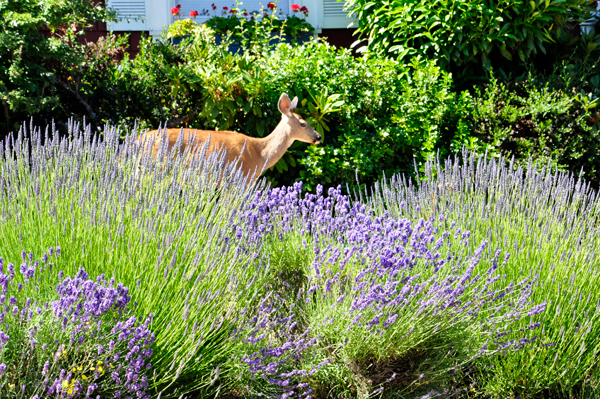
x: 193, y: 14
x: 178, y: 6
x: 271, y: 5
x: 295, y: 7
x: 214, y: 7
x: 232, y: 11
x: 174, y: 11
x: 245, y: 14
x: 225, y: 8
x: 303, y: 9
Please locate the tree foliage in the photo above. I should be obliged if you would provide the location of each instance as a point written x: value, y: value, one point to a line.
x: 42, y: 56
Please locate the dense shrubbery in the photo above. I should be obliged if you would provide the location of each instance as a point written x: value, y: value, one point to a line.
x: 51, y: 74
x: 377, y: 116
x: 528, y: 118
x: 462, y: 33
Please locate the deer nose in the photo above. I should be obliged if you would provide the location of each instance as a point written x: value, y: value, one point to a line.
x: 318, y: 137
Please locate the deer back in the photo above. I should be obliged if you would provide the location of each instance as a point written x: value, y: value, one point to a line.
x: 238, y: 146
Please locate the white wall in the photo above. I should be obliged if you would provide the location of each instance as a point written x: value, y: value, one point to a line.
x: 159, y: 16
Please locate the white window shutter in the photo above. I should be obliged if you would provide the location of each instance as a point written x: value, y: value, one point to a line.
x: 132, y: 13
x: 334, y: 15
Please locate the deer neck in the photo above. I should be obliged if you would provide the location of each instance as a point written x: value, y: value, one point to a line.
x: 275, y: 145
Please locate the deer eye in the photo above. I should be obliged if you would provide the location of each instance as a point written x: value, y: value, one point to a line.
x: 303, y: 124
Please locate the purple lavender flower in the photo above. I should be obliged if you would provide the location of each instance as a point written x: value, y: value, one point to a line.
x: 81, y: 306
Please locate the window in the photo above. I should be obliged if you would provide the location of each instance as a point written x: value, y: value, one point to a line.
x: 134, y: 10
x: 334, y: 15
x: 206, y: 5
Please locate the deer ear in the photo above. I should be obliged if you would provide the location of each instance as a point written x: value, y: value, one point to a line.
x: 294, y: 103
x: 285, y: 105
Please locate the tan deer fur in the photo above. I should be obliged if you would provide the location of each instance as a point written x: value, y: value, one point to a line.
x: 254, y: 154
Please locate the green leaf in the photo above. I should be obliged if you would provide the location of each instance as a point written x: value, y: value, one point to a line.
x: 291, y: 160
x: 282, y: 164
x: 260, y: 128
x: 487, y: 64
x: 505, y: 53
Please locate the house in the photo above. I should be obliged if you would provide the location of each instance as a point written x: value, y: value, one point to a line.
x: 152, y: 16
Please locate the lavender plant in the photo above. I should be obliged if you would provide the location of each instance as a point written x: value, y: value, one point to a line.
x: 268, y: 292
x: 82, y: 342
x: 548, y: 222
x: 378, y: 292
x: 161, y: 229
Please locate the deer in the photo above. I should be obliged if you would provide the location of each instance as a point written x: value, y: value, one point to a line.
x: 254, y: 155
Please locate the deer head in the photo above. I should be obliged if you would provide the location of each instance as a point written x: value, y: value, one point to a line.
x: 294, y: 126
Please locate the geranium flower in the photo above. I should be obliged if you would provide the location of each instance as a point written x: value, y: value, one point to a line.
x: 175, y: 11
x: 193, y: 14
x: 232, y: 11
x: 271, y: 5
x: 295, y: 7
x: 214, y: 7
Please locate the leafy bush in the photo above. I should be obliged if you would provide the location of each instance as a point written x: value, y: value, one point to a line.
x: 464, y: 32
x: 46, y: 75
x: 529, y: 118
x: 378, y: 117
x: 392, y: 114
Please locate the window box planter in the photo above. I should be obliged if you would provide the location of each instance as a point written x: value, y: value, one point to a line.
x: 236, y: 47
x: 178, y: 39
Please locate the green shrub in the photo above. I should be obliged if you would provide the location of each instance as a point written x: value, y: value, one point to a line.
x: 377, y: 116
x: 529, y: 118
x: 393, y: 114
x: 51, y: 75
x: 467, y: 31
